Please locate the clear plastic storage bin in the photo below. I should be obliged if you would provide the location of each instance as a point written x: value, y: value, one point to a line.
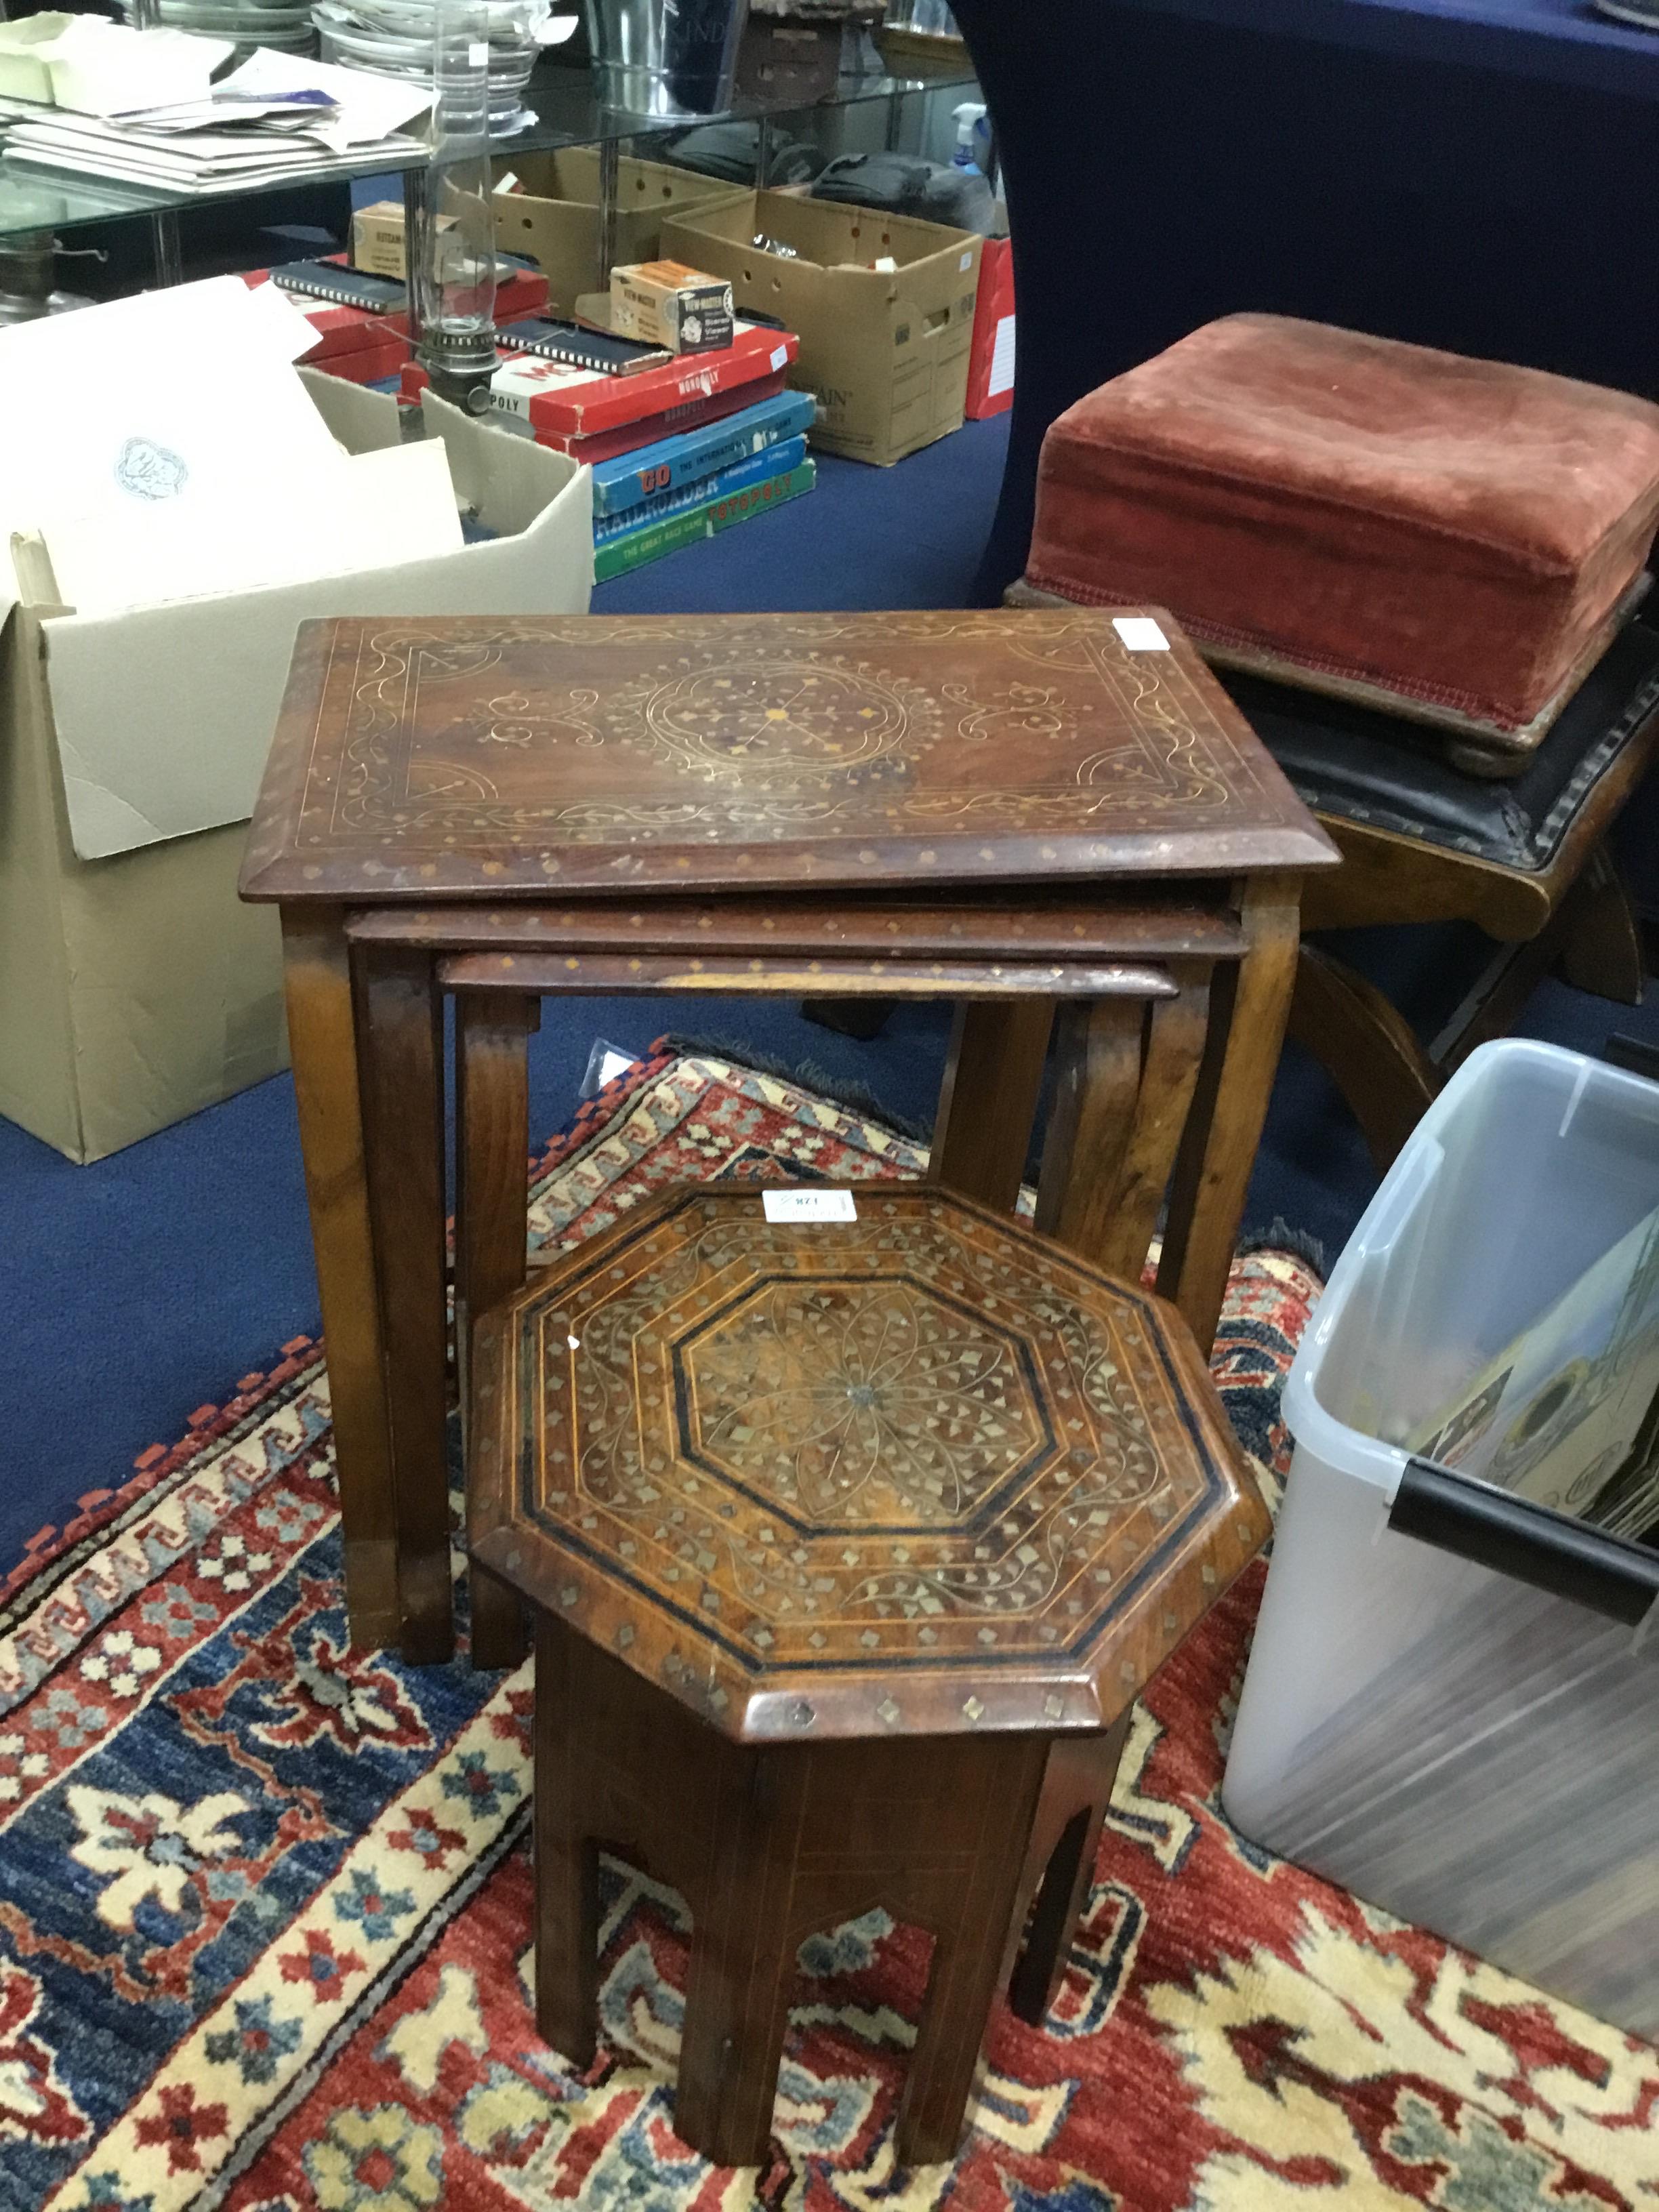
x: 1452, y: 1705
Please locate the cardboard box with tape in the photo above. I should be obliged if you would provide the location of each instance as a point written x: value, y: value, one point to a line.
x: 885, y: 348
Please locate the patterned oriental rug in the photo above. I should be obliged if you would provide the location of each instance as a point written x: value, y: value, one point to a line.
x: 265, y: 1904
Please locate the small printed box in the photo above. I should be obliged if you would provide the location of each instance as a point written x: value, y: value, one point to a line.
x: 667, y: 304
x: 377, y: 239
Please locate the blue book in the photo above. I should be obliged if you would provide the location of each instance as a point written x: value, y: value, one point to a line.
x: 773, y: 460
x: 629, y: 479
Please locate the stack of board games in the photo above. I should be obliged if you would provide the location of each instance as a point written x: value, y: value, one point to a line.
x: 661, y: 496
x: 682, y: 445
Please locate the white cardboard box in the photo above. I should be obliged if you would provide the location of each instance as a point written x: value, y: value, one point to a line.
x: 134, y: 986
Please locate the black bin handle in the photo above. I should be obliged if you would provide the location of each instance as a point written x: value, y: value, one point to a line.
x: 1530, y: 1543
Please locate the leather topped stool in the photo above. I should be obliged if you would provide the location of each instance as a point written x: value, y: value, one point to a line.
x: 1524, y: 857
x: 850, y: 1543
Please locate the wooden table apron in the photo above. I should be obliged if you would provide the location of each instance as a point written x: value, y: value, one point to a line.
x: 827, y: 756
x: 1180, y: 1108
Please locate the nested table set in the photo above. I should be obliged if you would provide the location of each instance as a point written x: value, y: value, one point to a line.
x: 849, y: 1542
x: 424, y: 772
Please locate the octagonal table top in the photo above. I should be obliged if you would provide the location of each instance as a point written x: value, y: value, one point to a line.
x: 921, y: 1470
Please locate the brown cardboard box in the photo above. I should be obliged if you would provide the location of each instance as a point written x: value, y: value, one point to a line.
x: 135, y: 987
x: 885, y: 351
x: 377, y: 239
x: 556, y: 217
x: 791, y: 60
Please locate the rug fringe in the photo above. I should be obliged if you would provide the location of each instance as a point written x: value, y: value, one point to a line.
x: 1280, y: 1237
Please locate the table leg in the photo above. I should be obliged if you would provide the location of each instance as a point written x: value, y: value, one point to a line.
x: 1250, y: 1004
x: 318, y: 983
x: 1126, y: 1075
x: 400, y: 1034
x: 743, y: 1957
x: 969, y: 1908
x: 1059, y: 1866
x: 567, y: 1863
x: 1367, y: 1047
x: 988, y: 1101
x: 492, y: 1145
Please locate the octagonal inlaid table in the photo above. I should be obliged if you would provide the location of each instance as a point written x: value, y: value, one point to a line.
x: 850, y: 1543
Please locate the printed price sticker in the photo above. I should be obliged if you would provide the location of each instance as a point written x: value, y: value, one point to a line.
x: 809, y: 1205
x: 1140, y: 634
x: 780, y: 356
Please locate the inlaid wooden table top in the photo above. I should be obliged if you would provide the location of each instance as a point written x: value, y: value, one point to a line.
x: 490, y: 759
x: 921, y: 1472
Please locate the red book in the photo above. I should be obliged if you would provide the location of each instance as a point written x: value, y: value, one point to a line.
x: 553, y: 400
x: 367, y: 364
x: 602, y: 444
x: 341, y: 329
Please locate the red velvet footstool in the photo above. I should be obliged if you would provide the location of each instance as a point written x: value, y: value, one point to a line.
x: 1457, y: 540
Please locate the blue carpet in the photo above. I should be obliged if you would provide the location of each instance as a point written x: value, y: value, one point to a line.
x: 138, y: 1288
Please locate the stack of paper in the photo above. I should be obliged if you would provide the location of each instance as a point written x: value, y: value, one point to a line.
x: 87, y: 63
x: 172, y: 453
x: 278, y: 116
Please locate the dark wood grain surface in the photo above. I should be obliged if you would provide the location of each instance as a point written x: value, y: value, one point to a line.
x: 794, y: 976
x: 919, y: 1472
x: 768, y: 1845
x: 1144, y: 923
x: 476, y: 757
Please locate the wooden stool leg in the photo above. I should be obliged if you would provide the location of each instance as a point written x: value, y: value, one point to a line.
x: 316, y: 978
x: 400, y: 1035
x: 1249, y: 1006
x: 742, y: 1962
x: 988, y: 1101
x: 1127, y: 1077
x: 944, y: 2062
x: 1077, y: 1790
x: 1602, y: 949
x: 1367, y: 1047
x: 566, y: 1870
x: 968, y: 1956
x: 492, y: 1143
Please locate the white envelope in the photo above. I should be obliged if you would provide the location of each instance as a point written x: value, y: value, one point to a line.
x: 370, y: 107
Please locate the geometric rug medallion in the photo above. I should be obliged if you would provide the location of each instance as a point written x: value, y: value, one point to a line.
x: 265, y: 1903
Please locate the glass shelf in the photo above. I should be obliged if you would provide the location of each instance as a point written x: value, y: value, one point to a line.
x: 562, y: 99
